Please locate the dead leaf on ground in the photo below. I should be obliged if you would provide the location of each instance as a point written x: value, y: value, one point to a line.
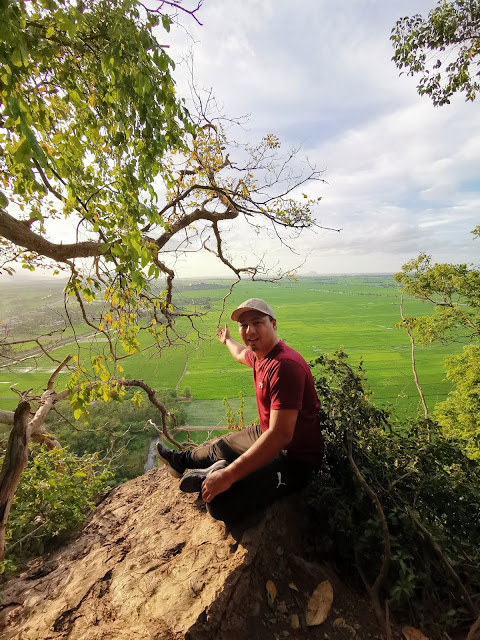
x: 271, y: 591
x: 319, y: 604
x: 411, y: 633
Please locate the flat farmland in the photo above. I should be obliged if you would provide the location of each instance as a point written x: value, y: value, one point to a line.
x: 315, y: 315
x: 321, y: 315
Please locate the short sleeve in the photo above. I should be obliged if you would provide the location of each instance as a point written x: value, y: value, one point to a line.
x: 287, y: 386
x: 249, y: 357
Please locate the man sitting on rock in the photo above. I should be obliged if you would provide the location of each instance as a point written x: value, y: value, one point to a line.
x: 247, y: 470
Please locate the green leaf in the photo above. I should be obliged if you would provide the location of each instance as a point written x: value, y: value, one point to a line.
x: 23, y: 152
x: 166, y: 21
x: 3, y: 200
x: 17, y: 58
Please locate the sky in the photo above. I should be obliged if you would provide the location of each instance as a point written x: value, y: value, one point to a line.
x: 401, y: 175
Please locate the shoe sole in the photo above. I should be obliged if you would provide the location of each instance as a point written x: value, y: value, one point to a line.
x: 170, y: 469
x: 192, y: 482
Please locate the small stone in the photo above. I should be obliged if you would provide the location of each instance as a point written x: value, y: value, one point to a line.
x: 293, y: 586
x: 279, y: 551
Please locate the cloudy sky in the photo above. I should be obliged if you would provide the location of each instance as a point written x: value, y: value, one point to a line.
x: 402, y: 174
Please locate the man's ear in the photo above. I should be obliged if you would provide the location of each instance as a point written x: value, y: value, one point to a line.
x: 274, y: 322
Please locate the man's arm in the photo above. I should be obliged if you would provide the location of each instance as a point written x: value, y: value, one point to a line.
x: 236, y: 349
x: 271, y: 442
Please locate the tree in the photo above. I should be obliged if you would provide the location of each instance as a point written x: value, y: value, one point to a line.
x: 455, y: 292
x: 444, y: 48
x: 92, y: 131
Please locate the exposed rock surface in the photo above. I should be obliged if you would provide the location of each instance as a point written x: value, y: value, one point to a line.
x: 152, y: 564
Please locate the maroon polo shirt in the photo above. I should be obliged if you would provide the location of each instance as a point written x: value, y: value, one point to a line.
x: 283, y: 380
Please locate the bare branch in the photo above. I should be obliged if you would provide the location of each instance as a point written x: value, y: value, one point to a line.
x: 406, y: 326
x: 57, y: 370
x: 19, y: 234
x: 175, y: 5
x: 151, y: 394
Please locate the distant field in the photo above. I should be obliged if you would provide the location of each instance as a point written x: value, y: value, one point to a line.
x: 315, y: 315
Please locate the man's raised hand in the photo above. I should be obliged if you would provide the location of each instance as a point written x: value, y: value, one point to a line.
x: 223, y: 334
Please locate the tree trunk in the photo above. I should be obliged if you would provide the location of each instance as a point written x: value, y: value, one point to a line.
x: 15, y: 460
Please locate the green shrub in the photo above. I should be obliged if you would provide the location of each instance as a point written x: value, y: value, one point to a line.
x: 235, y: 420
x: 55, y: 495
x: 429, y: 493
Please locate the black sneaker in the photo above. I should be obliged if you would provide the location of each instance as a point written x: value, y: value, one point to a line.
x: 171, y: 459
x: 192, y: 481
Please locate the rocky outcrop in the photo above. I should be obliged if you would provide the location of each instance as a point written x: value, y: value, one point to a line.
x: 152, y: 564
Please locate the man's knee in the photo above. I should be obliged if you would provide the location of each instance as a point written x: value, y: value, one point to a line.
x: 220, y: 509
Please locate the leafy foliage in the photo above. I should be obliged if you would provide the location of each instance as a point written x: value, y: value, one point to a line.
x: 429, y: 492
x: 55, y: 495
x: 450, y: 37
x: 88, y: 111
x: 459, y: 413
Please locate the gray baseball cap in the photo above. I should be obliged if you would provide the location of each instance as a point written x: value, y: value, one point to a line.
x: 253, y: 304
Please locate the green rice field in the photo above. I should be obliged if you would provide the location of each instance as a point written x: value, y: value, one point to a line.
x: 314, y: 315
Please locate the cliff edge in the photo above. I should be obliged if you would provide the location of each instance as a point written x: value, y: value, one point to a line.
x: 151, y: 564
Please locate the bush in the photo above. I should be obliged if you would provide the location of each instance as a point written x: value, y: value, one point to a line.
x: 235, y: 420
x: 427, y: 515
x: 55, y: 495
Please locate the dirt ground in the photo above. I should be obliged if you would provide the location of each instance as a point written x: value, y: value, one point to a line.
x: 151, y: 564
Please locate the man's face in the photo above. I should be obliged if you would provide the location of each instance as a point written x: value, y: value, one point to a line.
x: 258, y: 332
